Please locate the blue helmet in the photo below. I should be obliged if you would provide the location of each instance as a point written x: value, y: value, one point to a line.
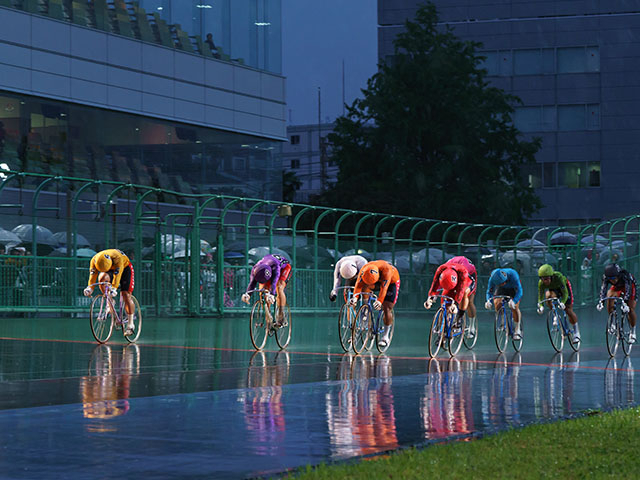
x: 499, y: 276
x: 262, y: 273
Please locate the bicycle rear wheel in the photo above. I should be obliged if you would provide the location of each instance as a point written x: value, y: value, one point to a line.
x: 470, y: 332
x: 137, y: 321
x: 283, y: 331
x: 554, y: 329
x: 258, y: 324
x: 436, y: 333
x: 500, y: 328
x: 362, y: 329
x: 457, y: 335
x: 625, y: 330
x: 345, y: 325
x: 611, y: 333
x: 101, y: 318
x: 517, y: 344
x: 379, y: 335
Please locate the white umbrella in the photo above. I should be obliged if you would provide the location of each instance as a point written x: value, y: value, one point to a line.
x: 7, y: 237
x: 61, y: 237
x: 183, y: 253
x: 531, y: 243
x: 80, y: 253
x: 172, y: 243
x: 43, y: 234
x: 589, y: 239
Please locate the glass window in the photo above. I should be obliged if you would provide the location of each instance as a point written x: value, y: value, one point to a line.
x: 594, y: 174
x: 549, y: 175
x: 295, y: 163
x: 532, y: 175
x: 593, y: 116
x: 548, y: 60
x: 527, y: 62
x: 572, y: 60
x: 295, y: 139
x: 505, y: 63
x: 572, y: 174
x: 528, y: 119
x: 490, y: 63
x: 593, y: 59
x: 571, y: 117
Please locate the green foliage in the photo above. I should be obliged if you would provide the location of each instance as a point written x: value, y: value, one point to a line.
x: 431, y: 138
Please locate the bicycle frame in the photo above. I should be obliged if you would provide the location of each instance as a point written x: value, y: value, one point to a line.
x: 563, y: 322
x: 118, y: 312
x: 504, y: 322
x: 372, y: 298
x: 444, y: 332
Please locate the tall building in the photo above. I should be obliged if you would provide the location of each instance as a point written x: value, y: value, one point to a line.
x: 307, y: 156
x: 576, y: 67
x: 185, y: 95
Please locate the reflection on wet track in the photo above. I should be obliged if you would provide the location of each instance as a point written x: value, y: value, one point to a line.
x: 177, y: 406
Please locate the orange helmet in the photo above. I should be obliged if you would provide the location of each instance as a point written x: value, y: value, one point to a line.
x: 371, y: 276
x: 448, y: 279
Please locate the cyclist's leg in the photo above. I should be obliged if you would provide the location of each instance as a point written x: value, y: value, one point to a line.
x: 632, y: 307
x: 105, y: 278
x: 610, y: 303
x: 389, y: 302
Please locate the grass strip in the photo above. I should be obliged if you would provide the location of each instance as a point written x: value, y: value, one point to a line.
x: 601, y: 445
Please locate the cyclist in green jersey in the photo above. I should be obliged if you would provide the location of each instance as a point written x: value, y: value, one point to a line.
x: 553, y: 284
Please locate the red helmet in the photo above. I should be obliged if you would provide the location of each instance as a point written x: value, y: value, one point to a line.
x: 448, y: 279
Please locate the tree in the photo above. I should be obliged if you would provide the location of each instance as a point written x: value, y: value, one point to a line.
x: 431, y: 138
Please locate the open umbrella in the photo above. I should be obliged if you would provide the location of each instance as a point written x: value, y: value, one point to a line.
x: 80, y: 253
x: 361, y: 252
x: 7, y: 237
x: 61, y: 237
x: 259, y: 252
x: 43, y: 235
x: 183, y: 253
x: 563, y: 238
x: 589, y: 239
x: 401, y: 260
x: 531, y: 243
x: 435, y: 256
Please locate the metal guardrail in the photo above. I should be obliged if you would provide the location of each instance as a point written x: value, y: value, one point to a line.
x: 194, y: 258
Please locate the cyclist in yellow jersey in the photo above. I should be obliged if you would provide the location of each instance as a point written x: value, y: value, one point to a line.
x: 114, y: 267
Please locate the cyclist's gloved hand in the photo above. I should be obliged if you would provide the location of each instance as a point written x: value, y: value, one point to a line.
x: 540, y: 309
x: 377, y: 304
x: 561, y: 305
x: 333, y: 295
x: 488, y: 305
x: 624, y: 307
x: 87, y: 291
x: 245, y: 298
x: 428, y: 303
x: 512, y: 304
x: 112, y: 291
x: 353, y: 301
x: 270, y: 299
x: 600, y: 306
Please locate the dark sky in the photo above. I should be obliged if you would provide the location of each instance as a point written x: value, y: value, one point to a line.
x: 316, y: 37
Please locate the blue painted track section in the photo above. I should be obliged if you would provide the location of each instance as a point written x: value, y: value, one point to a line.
x: 193, y: 400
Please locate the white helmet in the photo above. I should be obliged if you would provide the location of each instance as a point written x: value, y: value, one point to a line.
x: 348, y: 270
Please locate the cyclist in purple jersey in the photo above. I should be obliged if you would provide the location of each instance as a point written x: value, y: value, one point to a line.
x: 273, y: 273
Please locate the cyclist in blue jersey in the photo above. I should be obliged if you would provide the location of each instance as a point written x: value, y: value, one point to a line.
x: 506, y: 281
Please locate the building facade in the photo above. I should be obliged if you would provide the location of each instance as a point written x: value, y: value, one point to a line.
x: 307, y: 156
x: 576, y: 67
x: 184, y: 95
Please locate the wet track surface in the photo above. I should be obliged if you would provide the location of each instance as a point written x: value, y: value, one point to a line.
x: 194, y: 400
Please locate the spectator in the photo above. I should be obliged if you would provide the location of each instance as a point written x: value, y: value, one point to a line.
x: 212, y: 45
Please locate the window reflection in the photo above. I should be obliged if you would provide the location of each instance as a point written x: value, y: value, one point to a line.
x: 60, y: 139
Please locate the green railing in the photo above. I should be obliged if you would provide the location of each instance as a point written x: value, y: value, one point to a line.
x: 194, y: 258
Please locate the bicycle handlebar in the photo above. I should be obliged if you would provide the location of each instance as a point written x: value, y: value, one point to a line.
x: 375, y: 297
x: 345, y: 288
x: 258, y: 290
x: 502, y: 296
x: 614, y: 299
x: 99, y: 283
x: 445, y: 297
x: 550, y: 299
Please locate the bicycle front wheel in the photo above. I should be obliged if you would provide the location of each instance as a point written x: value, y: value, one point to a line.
x: 345, y: 325
x: 259, y: 324
x: 625, y: 330
x: 362, y: 329
x: 611, y: 333
x: 570, y: 332
x: 470, y: 332
x: 517, y: 344
x: 283, y: 320
x: 137, y: 321
x: 500, y: 330
x: 436, y: 333
x: 457, y: 335
x: 554, y: 329
x: 101, y: 318
x: 379, y: 336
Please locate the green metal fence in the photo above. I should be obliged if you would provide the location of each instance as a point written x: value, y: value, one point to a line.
x: 193, y: 257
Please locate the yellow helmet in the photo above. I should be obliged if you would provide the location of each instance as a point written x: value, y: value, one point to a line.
x: 104, y: 262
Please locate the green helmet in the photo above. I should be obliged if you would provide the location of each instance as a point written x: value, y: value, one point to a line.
x: 545, y: 270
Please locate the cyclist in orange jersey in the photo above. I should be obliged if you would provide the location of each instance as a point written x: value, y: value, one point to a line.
x: 380, y: 274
